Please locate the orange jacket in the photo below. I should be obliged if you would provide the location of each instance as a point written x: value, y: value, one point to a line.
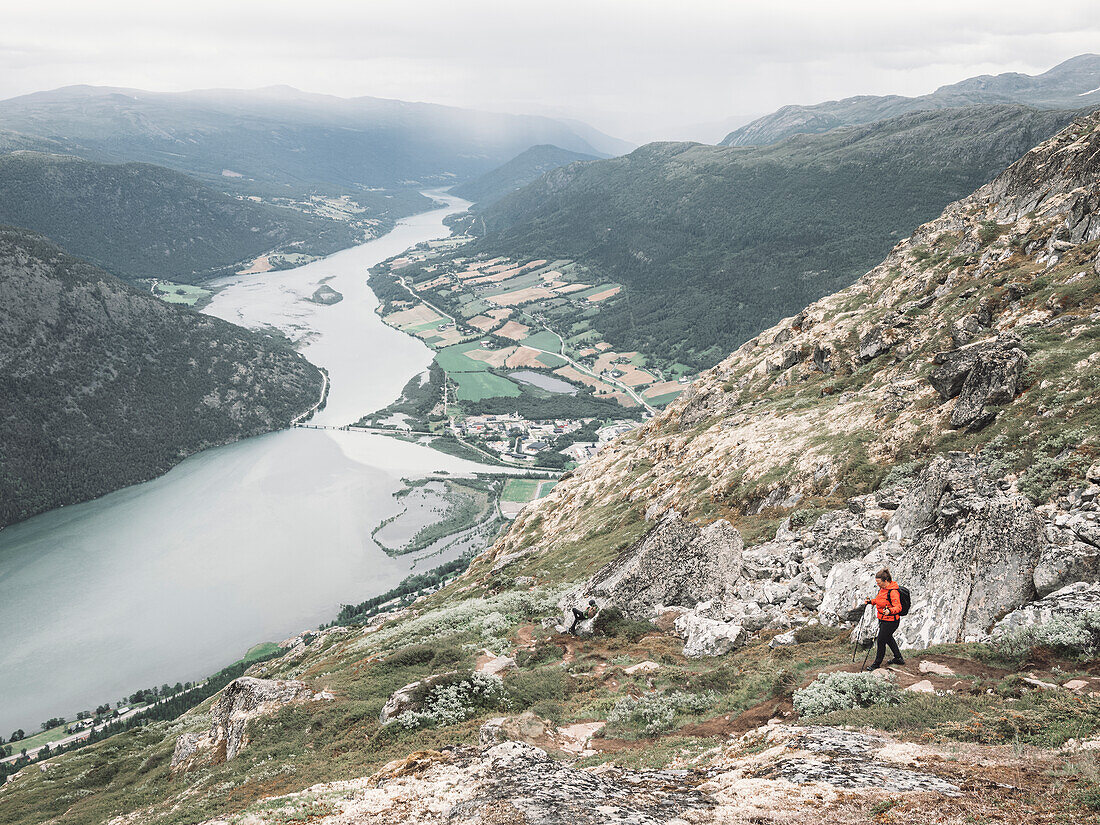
x: 888, y: 602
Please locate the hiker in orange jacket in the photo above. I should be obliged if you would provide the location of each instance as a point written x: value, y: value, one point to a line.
x: 888, y: 608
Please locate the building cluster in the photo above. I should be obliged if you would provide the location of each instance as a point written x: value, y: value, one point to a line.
x: 515, y: 438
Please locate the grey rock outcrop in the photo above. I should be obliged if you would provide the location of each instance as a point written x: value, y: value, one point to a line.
x: 979, y: 374
x: 1072, y: 600
x: 708, y: 637
x: 242, y: 700
x: 676, y: 563
x: 969, y: 558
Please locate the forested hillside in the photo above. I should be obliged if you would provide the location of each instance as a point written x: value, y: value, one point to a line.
x: 1072, y: 84
x: 102, y: 386
x: 713, y: 244
x: 137, y: 220
x: 517, y: 173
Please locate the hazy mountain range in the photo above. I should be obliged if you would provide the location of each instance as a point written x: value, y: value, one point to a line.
x: 1073, y: 84
x: 281, y: 140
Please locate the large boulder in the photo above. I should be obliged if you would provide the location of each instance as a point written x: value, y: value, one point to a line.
x: 676, y: 563
x: 979, y: 374
x: 967, y: 552
x: 708, y: 637
x: 1072, y: 600
x: 241, y: 700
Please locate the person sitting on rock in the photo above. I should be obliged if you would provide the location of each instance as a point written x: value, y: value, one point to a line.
x: 584, y: 615
x: 888, y: 608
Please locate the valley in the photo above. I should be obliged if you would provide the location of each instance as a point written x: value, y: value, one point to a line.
x: 544, y: 480
x: 281, y: 496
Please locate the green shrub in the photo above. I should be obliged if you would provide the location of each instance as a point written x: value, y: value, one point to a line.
x: 449, y: 702
x: 611, y: 622
x: 1075, y: 636
x: 527, y: 688
x: 541, y: 653
x: 842, y: 691
x: 655, y: 714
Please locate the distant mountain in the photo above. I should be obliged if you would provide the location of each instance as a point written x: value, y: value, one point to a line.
x: 137, y: 220
x: 713, y: 244
x: 517, y: 173
x: 281, y: 140
x: 1074, y: 84
x: 102, y: 385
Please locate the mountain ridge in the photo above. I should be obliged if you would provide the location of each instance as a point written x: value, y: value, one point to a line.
x: 106, y: 386
x: 1046, y: 90
x: 713, y: 243
x: 263, y: 138
x: 138, y: 220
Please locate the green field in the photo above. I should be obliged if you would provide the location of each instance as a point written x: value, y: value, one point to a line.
x: 551, y: 361
x: 519, y: 489
x: 257, y: 652
x: 453, y: 359
x: 180, y: 293
x: 474, y: 386
x: 662, y: 400
x: 543, y: 340
x: 546, y: 487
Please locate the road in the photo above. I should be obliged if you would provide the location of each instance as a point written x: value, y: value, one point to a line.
x: 324, y: 394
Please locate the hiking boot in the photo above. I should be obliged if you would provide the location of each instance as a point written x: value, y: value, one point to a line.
x: 871, y: 668
x: 895, y: 661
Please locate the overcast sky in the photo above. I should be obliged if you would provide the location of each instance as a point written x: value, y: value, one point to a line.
x: 636, y: 69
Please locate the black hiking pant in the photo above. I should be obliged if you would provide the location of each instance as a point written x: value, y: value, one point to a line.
x: 886, y: 638
x: 578, y: 616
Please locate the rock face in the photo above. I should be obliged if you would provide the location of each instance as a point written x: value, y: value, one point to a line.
x: 969, y: 558
x: 241, y: 700
x: 967, y: 545
x: 1072, y: 600
x: 979, y: 374
x: 677, y: 563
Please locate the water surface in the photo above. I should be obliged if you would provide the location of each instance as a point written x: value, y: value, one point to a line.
x: 168, y: 581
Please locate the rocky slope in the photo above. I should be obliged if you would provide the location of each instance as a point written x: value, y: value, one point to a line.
x: 976, y: 334
x: 939, y: 416
x: 105, y: 386
x: 1071, y: 84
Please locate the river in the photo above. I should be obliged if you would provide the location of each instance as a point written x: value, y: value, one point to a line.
x: 172, y: 579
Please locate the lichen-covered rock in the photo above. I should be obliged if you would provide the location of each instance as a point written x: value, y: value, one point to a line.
x: 1071, y: 600
x: 968, y: 553
x: 979, y: 374
x: 241, y: 700
x: 708, y: 637
x: 676, y: 563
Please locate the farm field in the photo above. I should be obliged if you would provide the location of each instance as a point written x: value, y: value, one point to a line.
x: 175, y: 293
x: 475, y: 386
x: 506, y: 312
